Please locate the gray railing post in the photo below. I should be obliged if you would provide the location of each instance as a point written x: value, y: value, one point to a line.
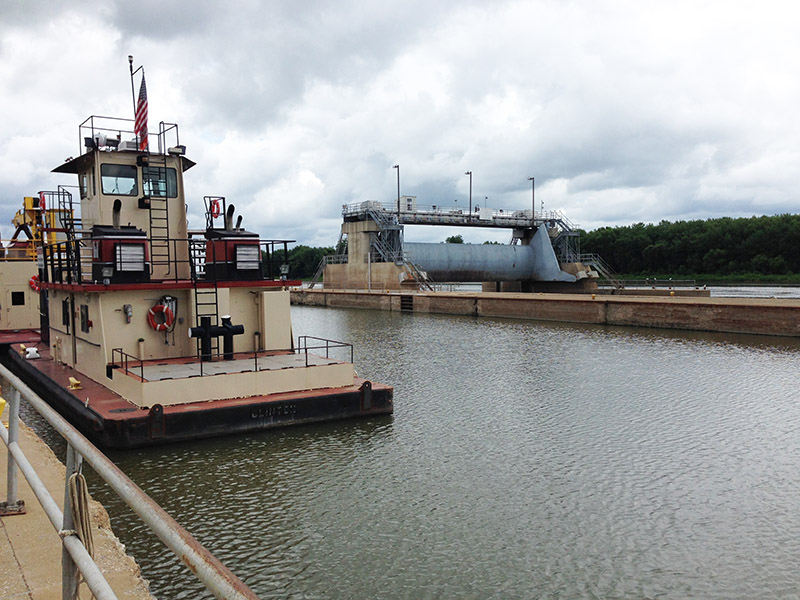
x: 12, y: 505
x: 69, y: 570
x: 13, y: 436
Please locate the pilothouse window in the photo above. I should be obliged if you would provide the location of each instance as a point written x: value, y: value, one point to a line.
x: 159, y: 182
x: 119, y: 180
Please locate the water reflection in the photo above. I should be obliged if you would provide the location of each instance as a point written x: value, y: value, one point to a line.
x: 523, y: 460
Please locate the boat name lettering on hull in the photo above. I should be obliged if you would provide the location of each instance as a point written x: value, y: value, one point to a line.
x: 268, y: 412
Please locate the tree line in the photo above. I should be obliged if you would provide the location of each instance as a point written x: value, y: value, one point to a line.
x: 302, y: 260
x: 723, y: 246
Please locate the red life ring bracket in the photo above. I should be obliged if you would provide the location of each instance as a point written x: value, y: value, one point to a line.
x: 34, y: 283
x: 216, y: 210
x: 166, y: 311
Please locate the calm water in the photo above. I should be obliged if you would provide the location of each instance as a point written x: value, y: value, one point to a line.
x: 524, y: 460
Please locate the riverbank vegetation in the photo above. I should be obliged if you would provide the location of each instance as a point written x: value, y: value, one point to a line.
x: 303, y: 260
x: 755, y: 249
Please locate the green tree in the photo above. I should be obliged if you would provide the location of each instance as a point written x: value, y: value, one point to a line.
x: 454, y: 239
x: 302, y: 260
x: 764, y: 245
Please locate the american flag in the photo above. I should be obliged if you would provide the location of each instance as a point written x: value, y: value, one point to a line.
x: 140, y: 128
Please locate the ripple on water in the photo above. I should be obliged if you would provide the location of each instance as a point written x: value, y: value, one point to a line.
x: 523, y: 460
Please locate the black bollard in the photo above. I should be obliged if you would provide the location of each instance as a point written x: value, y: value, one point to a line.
x: 206, y: 331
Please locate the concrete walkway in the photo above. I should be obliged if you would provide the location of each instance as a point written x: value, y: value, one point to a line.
x: 30, y: 549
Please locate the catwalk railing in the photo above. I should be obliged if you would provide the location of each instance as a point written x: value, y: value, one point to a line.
x: 17, y: 251
x: 454, y: 215
x: 217, y: 578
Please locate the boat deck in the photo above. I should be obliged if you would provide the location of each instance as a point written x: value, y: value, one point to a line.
x: 16, y: 336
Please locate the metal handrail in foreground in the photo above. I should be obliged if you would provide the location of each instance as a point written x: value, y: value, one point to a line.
x: 217, y: 578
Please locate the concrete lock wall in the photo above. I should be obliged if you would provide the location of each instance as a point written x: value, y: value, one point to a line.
x: 365, y: 276
x: 780, y: 317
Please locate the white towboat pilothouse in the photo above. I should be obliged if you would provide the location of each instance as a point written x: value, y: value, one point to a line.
x: 156, y: 333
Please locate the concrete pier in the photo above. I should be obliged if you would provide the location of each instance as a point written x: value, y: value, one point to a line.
x: 30, y: 549
x: 760, y: 316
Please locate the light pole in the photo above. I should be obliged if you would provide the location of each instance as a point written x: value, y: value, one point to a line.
x: 398, y: 191
x: 533, y: 199
x: 470, y: 194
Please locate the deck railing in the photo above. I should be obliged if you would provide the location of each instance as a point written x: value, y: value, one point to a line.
x: 17, y: 250
x: 654, y: 283
x: 133, y: 365
x: 320, y: 343
x: 217, y: 578
x: 75, y: 261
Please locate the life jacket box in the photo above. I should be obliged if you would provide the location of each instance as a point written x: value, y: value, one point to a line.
x: 232, y: 255
x: 120, y: 254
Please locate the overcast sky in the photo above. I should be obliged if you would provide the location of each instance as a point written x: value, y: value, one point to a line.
x: 623, y: 111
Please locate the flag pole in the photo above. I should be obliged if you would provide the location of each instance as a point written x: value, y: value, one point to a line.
x: 133, y: 92
x: 134, y: 72
x: 139, y: 107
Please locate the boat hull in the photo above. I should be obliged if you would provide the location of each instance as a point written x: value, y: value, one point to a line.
x: 111, y: 422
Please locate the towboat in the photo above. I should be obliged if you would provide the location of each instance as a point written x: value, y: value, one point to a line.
x: 148, y: 332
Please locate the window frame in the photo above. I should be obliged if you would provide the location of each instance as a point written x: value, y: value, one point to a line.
x: 104, y: 167
x: 168, y: 176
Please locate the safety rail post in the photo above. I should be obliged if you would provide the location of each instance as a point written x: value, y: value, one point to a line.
x: 58, y: 264
x: 13, y: 505
x: 303, y: 346
x: 69, y: 570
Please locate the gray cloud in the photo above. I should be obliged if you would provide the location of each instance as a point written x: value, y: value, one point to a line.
x: 623, y: 111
